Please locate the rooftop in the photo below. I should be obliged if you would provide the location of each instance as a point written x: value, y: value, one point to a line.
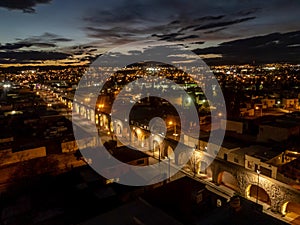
x: 261, y: 152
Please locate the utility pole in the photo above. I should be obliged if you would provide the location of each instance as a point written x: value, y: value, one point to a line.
x: 258, y: 172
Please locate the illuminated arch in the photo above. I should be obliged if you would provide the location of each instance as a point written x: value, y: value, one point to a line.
x: 118, y: 130
x: 118, y: 127
x: 97, y: 119
x: 82, y: 111
x: 227, y: 179
x: 134, y: 137
x: 156, y: 148
x: 203, y: 166
x: 170, y: 153
x: 290, y: 207
x: 256, y: 193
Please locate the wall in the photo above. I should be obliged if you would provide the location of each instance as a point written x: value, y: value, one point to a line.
x: 260, y: 166
x: 267, y: 133
x: 230, y: 125
x: 278, y: 192
x: 9, y: 157
x: 268, y: 102
x: 235, y: 158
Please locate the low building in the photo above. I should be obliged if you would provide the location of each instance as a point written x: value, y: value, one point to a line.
x: 232, y: 125
x: 291, y: 168
x: 263, y: 159
x: 268, y: 103
x: 277, y: 131
x: 290, y: 102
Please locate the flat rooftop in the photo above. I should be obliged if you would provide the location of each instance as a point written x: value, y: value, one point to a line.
x: 263, y: 153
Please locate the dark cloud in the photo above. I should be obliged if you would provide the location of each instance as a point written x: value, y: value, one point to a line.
x: 223, y: 24
x: 93, y: 50
x: 198, y: 43
x: 169, y: 37
x: 21, y: 44
x: 62, y: 39
x: 214, y: 31
x: 50, y: 37
x: 88, y: 58
x: 25, y: 50
x: 195, y: 22
x: 27, y: 6
x: 14, y: 46
x: 165, y: 20
x: 46, y: 40
x: 248, y: 12
x: 78, y: 52
x: 26, y: 56
x: 276, y: 47
x: 175, y: 37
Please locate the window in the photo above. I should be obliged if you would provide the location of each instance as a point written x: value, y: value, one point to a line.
x: 225, y: 156
x: 235, y: 160
x: 250, y: 165
x: 266, y: 171
x: 139, y: 162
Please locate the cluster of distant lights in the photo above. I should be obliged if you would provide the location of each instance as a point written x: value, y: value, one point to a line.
x: 7, y: 85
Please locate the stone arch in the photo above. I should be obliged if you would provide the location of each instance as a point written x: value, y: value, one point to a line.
x: 101, y: 121
x: 203, y: 167
x: 82, y: 111
x: 182, y: 158
x: 142, y: 140
x: 77, y: 108
x: 104, y: 121
x: 97, y: 119
x: 87, y: 114
x: 170, y: 152
x: 258, y: 194
x: 227, y: 179
x: 157, y: 148
x: 209, y: 172
x: 118, y: 130
x: 134, y: 137
x: 291, y: 210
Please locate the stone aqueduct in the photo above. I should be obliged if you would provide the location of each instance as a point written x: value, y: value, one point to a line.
x: 272, y: 194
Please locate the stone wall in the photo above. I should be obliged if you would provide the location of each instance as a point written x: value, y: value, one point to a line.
x: 278, y: 192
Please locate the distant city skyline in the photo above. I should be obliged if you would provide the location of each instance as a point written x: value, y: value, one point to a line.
x: 52, y: 32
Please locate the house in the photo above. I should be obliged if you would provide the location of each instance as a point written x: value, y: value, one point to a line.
x: 277, y: 131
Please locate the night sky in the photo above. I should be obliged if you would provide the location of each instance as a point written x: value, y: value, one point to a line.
x: 55, y: 32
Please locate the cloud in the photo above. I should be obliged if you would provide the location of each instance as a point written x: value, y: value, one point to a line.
x: 197, y: 43
x: 223, y: 24
x: 275, y: 47
x: 175, y: 21
x: 25, y: 56
x: 49, y: 37
x: 46, y: 40
x: 44, y: 48
x: 62, y: 39
x: 14, y: 46
x: 214, y: 31
x: 24, y: 44
x: 27, y: 6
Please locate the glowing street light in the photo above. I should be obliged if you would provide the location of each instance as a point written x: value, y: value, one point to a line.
x: 259, y: 108
x: 175, y: 132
